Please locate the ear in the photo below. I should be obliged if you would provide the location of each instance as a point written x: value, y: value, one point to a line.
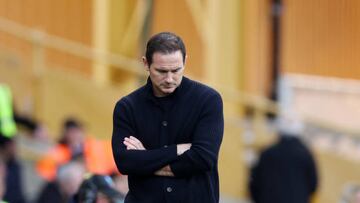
x: 185, y: 60
x: 146, y: 64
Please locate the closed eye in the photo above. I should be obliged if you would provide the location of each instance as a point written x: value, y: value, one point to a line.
x: 176, y: 70
x: 166, y: 71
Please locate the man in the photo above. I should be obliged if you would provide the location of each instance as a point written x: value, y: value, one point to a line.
x: 167, y: 134
x: 286, y: 171
x: 13, y: 188
x: 66, y: 184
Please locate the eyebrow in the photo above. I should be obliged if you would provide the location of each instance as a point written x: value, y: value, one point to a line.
x: 162, y: 70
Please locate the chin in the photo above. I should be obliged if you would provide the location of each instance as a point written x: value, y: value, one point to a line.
x: 168, y: 91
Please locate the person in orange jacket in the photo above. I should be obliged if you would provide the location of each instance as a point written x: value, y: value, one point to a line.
x: 73, y: 145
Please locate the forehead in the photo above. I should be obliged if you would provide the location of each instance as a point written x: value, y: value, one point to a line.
x: 168, y: 59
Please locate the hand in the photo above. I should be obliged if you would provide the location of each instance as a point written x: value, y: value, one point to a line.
x: 181, y: 148
x: 132, y: 143
x: 165, y: 171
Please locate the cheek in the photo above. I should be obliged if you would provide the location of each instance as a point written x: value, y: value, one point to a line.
x: 178, y: 77
x: 158, y: 79
x: 155, y: 78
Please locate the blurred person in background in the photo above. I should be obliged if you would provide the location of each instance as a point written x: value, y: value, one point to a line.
x: 167, y: 134
x: 66, y: 184
x: 72, y: 137
x: 98, y: 189
x: 8, y: 130
x: 74, y: 144
x: 18, y: 121
x: 31, y: 127
x: 13, y: 179
x: 69, y: 147
x: 23, y: 141
x: 286, y: 171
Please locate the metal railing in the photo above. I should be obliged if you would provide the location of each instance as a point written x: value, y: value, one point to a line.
x: 41, y: 40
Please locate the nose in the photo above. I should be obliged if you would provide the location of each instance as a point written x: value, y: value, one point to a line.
x: 169, y: 77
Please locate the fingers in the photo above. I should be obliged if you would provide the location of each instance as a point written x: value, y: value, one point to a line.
x: 137, y: 142
x: 165, y: 171
x: 129, y: 144
x: 133, y: 143
x: 181, y: 148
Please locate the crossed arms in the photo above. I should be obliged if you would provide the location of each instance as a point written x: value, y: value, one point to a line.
x: 132, y: 143
x: 180, y: 160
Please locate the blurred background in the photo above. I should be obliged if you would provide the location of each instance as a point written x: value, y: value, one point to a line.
x: 76, y: 58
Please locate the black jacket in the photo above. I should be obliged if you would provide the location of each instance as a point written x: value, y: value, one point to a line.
x: 286, y: 173
x: 14, y: 191
x: 192, y: 114
x: 51, y: 193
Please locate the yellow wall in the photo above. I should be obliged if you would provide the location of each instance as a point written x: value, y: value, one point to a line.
x: 317, y: 37
x: 68, y: 19
x: 62, y: 95
x: 125, y: 27
x: 321, y: 37
x: 175, y: 16
x: 58, y: 95
x: 257, y: 47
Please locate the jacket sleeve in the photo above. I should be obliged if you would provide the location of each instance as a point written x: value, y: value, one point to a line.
x: 203, y: 154
x: 139, y: 162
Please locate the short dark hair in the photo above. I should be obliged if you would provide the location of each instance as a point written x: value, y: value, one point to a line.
x: 71, y: 123
x: 166, y: 43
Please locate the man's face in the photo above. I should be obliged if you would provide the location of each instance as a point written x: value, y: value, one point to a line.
x: 166, y: 72
x: 75, y: 136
